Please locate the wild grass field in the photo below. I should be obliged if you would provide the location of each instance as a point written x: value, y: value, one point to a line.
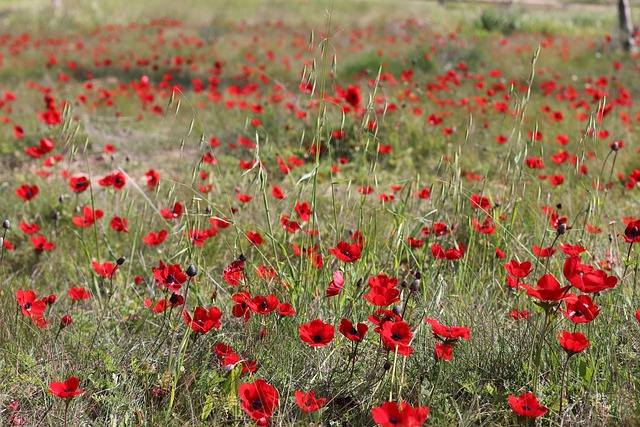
x: 295, y: 213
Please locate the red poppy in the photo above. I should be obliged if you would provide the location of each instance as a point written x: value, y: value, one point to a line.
x: 571, y: 249
x: 234, y: 273
x: 89, y: 217
x: 285, y: 309
x: 480, y: 202
x: 381, y: 316
x: 526, y: 405
x: 381, y: 296
x: 585, y: 279
x: 78, y: 294
x: 308, y: 402
x: 203, y: 319
x: 352, y: 333
x: 153, y: 239
x: 255, y: 238
x: 244, y: 305
x: 117, y: 180
x: 27, y: 192
x: 105, y: 269
x: 317, y: 333
x: 173, y: 301
x: 486, y: 227
x: 390, y: 415
x: 443, y: 351
x: 547, y: 289
x: 277, y: 192
x: 290, y: 226
x: 517, y: 269
x: 573, y: 343
x: 171, y: 276
x: 67, y: 389
x: 346, y: 252
x: 152, y: 178
x: 632, y: 231
x: 40, y: 244
x: 259, y: 399
x: 580, y: 309
x: 396, y: 336
x: 78, y: 184
x: 174, y: 213
x: 425, y: 193
x: 543, y: 252
x: 336, y: 284
x: 119, y: 224
x: 264, y: 305
x: 29, y: 228
x: 448, y: 333
x: 30, y: 306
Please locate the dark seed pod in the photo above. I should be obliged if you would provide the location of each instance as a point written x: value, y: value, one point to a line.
x: 191, y: 270
x: 418, y: 274
x: 360, y: 282
x: 559, y: 206
x: 61, y: 199
x: 615, y: 146
x: 121, y: 260
x: 403, y: 284
x: 6, y: 224
x: 242, y: 257
x: 562, y: 228
x: 397, y: 310
x: 207, y: 210
x: 415, y: 285
x: 387, y: 365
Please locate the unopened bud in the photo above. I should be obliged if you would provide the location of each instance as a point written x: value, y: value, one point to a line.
x: 120, y: 260
x: 615, y: 146
x: 6, y: 224
x: 387, y: 365
x: 403, y: 284
x: 418, y: 274
x: 66, y: 320
x: 415, y: 285
x: 562, y: 228
x: 242, y: 257
x: 359, y: 282
x: 191, y: 270
x: 397, y: 310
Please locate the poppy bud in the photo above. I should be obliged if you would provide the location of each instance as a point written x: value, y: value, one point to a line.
x: 51, y: 299
x: 359, y: 282
x: 559, y: 206
x: 120, y: 260
x: 562, y: 228
x: 397, y: 310
x: 415, y: 285
x: 615, y: 146
x: 56, y: 216
x: 6, y: 224
x: 418, y: 274
x: 61, y: 199
x: 387, y: 365
x: 242, y: 257
x: 127, y: 158
x: 65, y: 321
x: 403, y: 284
x: 207, y: 210
x: 191, y: 270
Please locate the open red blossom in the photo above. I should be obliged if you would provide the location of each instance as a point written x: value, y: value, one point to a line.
x: 303, y: 210
x: 452, y: 254
x: 29, y: 228
x: 527, y: 405
x: 396, y: 336
x: 78, y: 184
x: 264, y: 305
x: 67, y: 389
x: 480, y: 202
x: 152, y: 178
x: 286, y: 310
x: 203, y: 319
x: 518, y: 269
x: 425, y: 193
x: 89, y: 217
x: 308, y: 402
x: 234, y: 273
x: 277, y: 192
x: 336, y: 284
x: 255, y: 238
x: 381, y: 296
x: 171, y: 276
x: 547, y: 289
x: 173, y: 301
x: 40, y: 244
x: 30, y: 306
x: 153, y: 239
x: 443, y: 351
x: 27, y: 192
x: 580, y: 309
x: 346, y: 252
x: 573, y: 343
x: 632, y: 231
x: 585, y: 279
x: 259, y: 399
x: 105, y: 269
x: 381, y: 316
x: 78, y: 294
x: 290, y: 226
x: 415, y: 243
x: 571, y: 249
x: 353, y: 333
x: 316, y: 333
x: 390, y: 415
x: 117, y: 180
x: 119, y: 224
x: 486, y: 227
x: 174, y: 213
x: 244, y: 305
x: 543, y: 252
x: 448, y: 333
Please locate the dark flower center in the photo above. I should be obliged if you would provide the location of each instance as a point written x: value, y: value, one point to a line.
x: 634, y: 232
x: 347, y: 253
x: 256, y: 405
x: 264, y: 305
x: 27, y: 306
x: 317, y: 339
x: 578, y: 313
x: 171, y: 278
x: 353, y: 331
x: 308, y: 403
x: 396, y: 336
x: 393, y: 420
x: 526, y: 408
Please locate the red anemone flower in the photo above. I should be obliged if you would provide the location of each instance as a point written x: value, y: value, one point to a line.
x: 169, y: 275
x: 174, y: 213
x: 27, y: 192
x: 352, y: 333
x: 518, y: 269
x: 580, y: 309
x: 78, y: 184
x: 67, y: 389
x: 526, y: 405
x: 317, y: 333
x: 153, y: 239
x: 547, y: 289
x: 396, y: 337
x: 259, y: 399
x: 234, y: 273
x: 78, y: 294
x: 89, y: 217
x: 448, y: 333
x: 346, y: 252
x: 106, y: 269
x: 203, y: 319
x: 573, y: 343
x: 29, y: 305
x: 308, y: 402
x: 390, y: 415
x: 119, y: 224
x: 632, y: 231
x: 443, y: 351
x: 40, y: 244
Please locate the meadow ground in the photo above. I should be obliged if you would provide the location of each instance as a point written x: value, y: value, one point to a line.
x: 212, y: 209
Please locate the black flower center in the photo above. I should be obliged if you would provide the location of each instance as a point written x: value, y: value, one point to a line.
x: 27, y: 306
x: 170, y: 278
x: 396, y: 336
x: 317, y: 339
x: 393, y: 420
x: 256, y: 405
x: 526, y: 408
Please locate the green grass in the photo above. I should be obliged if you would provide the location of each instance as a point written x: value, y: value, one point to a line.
x: 140, y: 367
